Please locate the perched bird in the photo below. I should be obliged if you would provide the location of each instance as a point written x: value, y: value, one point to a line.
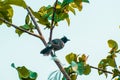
x: 55, y: 45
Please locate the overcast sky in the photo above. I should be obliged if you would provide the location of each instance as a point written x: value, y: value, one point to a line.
x: 89, y: 31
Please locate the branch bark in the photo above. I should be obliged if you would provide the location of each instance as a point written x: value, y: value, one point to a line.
x: 16, y: 27
x: 52, y: 21
x: 36, y: 25
x: 101, y: 70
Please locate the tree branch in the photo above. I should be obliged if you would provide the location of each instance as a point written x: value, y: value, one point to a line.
x: 16, y: 27
x: 52, y: 21
x: 101, y: 70
x: 50, y: 38
x: 62, y: 70
x: 36, y: 25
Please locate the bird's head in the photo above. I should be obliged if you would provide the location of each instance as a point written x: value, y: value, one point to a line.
x: 65, y: 39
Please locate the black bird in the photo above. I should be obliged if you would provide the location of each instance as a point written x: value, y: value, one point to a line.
x: 55, y: 45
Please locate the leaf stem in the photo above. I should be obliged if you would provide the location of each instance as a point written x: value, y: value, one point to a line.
x: 16, y: 27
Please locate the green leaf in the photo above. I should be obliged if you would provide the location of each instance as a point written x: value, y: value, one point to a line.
x: 71, y: 57
x: 87, y: 70
x: 20, y: 3
x: 23, y: 72
x: 67, y: 69
x: 31, y: 27
x: 66, y: 2
x: 116, y: 73
x: 42, y: 20
x: 27, y: 19
x: 111, y: 62
x: 33, y: 75
x: 102, y: 65
x: 86, y: 1
x: 61, y: 16
x: 13, y: 65
x: 1, y: 16
x: 26, y: 27
x: 119, y: 78
x: 80, y: 70
x: 63, y: 78
x: 58, y: 6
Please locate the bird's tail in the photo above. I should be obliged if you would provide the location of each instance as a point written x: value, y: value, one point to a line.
x: 46, y: 51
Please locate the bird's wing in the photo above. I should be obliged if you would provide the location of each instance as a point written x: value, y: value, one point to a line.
x: 46, y: 50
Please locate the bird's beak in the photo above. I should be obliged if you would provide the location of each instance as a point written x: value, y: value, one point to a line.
x: 68, y: 39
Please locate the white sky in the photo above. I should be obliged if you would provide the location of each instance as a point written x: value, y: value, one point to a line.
x: 89, y: 31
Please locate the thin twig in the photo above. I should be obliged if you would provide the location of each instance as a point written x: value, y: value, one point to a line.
x: 16, y: 27
x: 101, y: 70
x: 36, y: 25
x: 52, y: 26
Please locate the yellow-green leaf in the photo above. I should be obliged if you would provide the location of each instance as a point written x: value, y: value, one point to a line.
x: 6, y: 12
x: 19, y: 32
x: 116, y: 73
x: 71, y: 9
x: 68, y: 21
x: 73, y: 77
x: 71, y: 57
x: 23, y: 72
x: 78, y: 4
x: 20, y: 3
x: 111, y: 62
x: 58, y: 6
x: 87, y: 70
x: 112, y: 44
x: 80, y: 70
x: 27, y: 19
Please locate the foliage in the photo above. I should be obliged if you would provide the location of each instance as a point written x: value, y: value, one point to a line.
x: 44, y: 16
x: 78, y: 65
x: 6, y: 10
x: 110, y: 60
x: 24, y: 73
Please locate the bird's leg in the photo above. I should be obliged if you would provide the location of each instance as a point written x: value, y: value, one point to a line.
x: 54, y: 55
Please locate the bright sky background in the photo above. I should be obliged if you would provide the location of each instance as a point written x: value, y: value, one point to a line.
x: 89, y: 31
